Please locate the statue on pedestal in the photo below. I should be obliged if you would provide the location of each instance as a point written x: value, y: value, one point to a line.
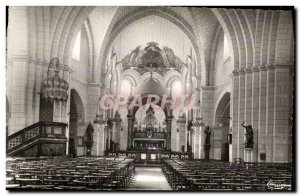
x: 207, y: 133
x: 249, y: 136
x: 89, y: 138
x: 207, y: 145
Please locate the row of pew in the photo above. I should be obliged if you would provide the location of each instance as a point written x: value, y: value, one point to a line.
x: 204, y: 175
x: 83, y: 173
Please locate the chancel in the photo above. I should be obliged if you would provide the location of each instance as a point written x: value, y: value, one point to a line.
x: 150, y: 98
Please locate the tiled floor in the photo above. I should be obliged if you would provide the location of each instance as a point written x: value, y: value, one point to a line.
x: 149, y: 178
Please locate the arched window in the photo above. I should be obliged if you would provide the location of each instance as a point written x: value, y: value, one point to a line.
x: 176, y: 88
x: 76, y: 48
x: 125, y: 87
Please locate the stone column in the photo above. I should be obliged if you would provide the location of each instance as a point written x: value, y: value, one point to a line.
x: 207, y: 104
x: 216, y: 143
x: 268, y: 148
x: 99, y: 143
x: 202, y: 136
x: 117, y: 128
x: 109, y: 130
x: 235, y: 114
x: 169, y: 129
x: 113, y: 132
x: 130, y: 130
x: 192, y: 133
x: 95, y: 91
x: 248, y: 104
x: 66, y: 75
x: 248, y: 155
x: 174, y: 136
x: 124, y: 135
x: 18, y: 39
x: 261, y: 135
x: 182, y: 132
x: 241, y: 112
x: 196, y: 138
x: 196, y: 142
x: 255, y: 110
x: 282, y: 107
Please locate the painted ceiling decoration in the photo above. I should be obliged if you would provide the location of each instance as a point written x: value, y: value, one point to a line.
x: 152, y: 58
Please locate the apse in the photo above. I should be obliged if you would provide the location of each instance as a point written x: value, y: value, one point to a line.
x: 159, y: 113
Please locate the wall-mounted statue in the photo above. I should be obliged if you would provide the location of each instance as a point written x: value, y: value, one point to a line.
x: 249, y: 136
x: 207, y: 133
x: 89, y: 138
x: 189, y: 125
x: 110, y: 123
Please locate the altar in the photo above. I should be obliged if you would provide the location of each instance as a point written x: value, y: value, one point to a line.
x: 149, y: 140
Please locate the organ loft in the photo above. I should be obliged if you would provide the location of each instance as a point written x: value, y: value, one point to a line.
x: 177, y: 98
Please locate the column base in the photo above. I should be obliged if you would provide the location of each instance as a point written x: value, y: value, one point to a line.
x: 248, y: 154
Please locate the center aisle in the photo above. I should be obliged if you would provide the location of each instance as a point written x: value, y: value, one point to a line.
x: 149, y: 178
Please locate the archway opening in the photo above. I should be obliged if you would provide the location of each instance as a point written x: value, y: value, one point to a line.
x: 125, y: 87
x: 222, y: 119
x: 76, y: 119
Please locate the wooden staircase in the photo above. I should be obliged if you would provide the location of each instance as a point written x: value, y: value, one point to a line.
x: 39, y: 139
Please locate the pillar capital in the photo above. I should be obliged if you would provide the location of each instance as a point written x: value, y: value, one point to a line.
x: 282, y: 65
x: 270, y: 67
x: 248, y: 70
x: 255, y: 69
x: 203, y: 88
x: 263, y: 67
x: 242, y: 70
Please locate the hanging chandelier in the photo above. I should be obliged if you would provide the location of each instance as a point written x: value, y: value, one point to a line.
x: 54, y: 87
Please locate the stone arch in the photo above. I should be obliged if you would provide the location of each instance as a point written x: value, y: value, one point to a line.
x: 221, y: 105
x: 156, y: 76
x: 284, y: 39
x: 238, y: 30
x: 170, y: 74
x: 77, y: 24
x: 213, y: 49
x: 78, y: 104
x: 168, y: 15
x: 76, y: 120
x: 170, y: 79
x: 133, y: 82
x: 223, y: 114
x: 247, y: 35
x: 70, y: 22
x: 273, y: 33
x: 133, y: 75
x: 91, y: 48
x: 72, y: 18
x: 229, y: 31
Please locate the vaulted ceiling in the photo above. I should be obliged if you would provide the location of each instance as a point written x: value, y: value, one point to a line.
x: 152, y: 28
x: 106, y: 21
